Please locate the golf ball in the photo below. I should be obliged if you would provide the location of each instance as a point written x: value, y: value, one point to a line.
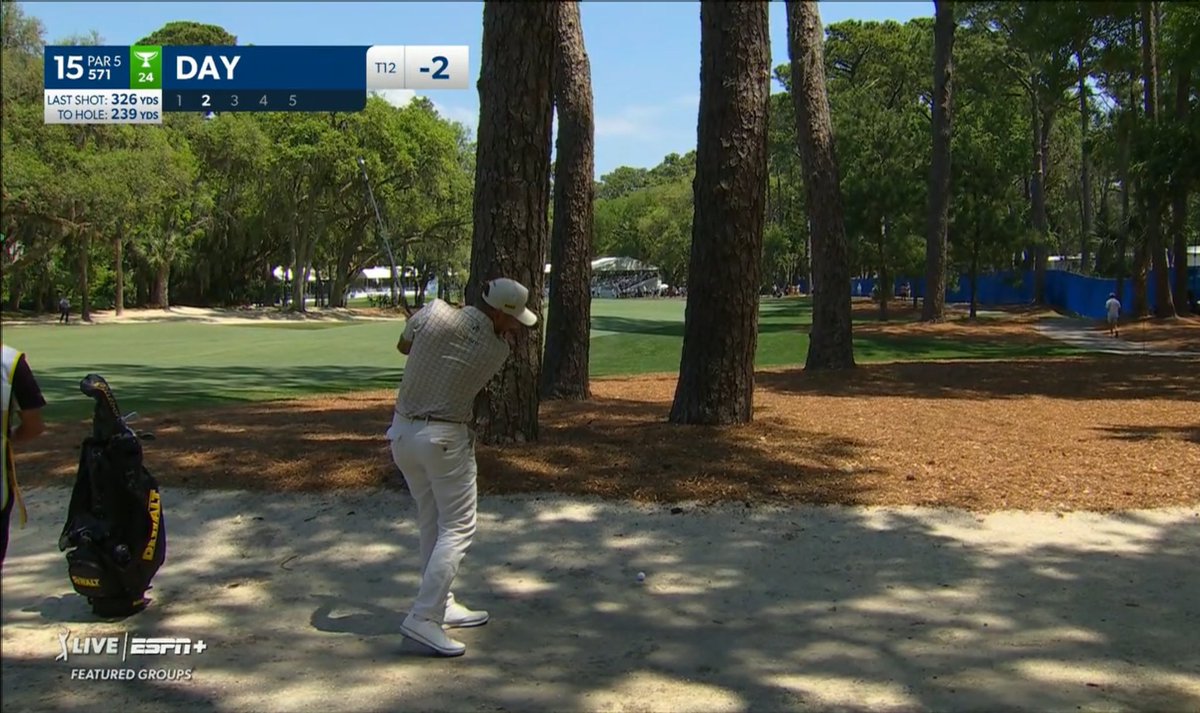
x: 641, y: 576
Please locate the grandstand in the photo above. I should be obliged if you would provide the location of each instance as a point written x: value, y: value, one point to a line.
x: 625, y: 277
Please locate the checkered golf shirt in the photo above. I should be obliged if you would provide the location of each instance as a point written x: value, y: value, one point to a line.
x: 455, y: 352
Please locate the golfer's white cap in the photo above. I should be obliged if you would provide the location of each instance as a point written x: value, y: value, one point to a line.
x: 510, y: 296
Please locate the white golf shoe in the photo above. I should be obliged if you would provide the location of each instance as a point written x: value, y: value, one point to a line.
x: 429, y: 633
x: 460, y: 617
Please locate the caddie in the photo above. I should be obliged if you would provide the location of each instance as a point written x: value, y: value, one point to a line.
x: 21, y: 402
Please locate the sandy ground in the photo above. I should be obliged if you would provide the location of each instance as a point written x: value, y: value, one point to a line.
x: 299, y: 596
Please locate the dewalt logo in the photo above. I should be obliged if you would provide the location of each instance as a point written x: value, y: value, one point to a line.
x: 155, y: 508
x: 86, y: 581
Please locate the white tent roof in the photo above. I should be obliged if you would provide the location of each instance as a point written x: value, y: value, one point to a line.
x: 385, y: 272
x: 620, y: 264
x: 380, y: 273
x: 616, y: 264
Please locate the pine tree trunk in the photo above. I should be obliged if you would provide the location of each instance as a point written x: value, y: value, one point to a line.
x: 716, y: 370
x: 831, y: 344
x: 568, y: 323
x: 978, y: 238
x: 85, y: 285
x: 1179, y: 198
x: 934, y: 308
x: 1123, y: 235
x: 1164, y: 306
x: 885, y: 278
x: 1085, y: 183
x: 119, y: 269
x: 512, y: 197
x: 1139, y: 273
x: 1042, y: 121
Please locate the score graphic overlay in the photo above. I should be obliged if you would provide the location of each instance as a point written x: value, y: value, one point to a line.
x: 138, y: 84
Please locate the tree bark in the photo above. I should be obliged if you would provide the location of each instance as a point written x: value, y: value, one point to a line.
x: 934, y: 307
x: 1164, y: 306
x: 1179, y: 197
x: 1126, y: 217
x: 977, y: 239
x: 1085, y: 183
x: 831, y: 344
x: 885, y: 278
x: 85, y: 284
x: 1139, y: 276
x: 141, y: 286
x: 16, y: 279
x: 1042, y: 122
x: 119, y: 269
x: 512, y: 197
x: 161, y: 293
x: 716, y: 370
x: 300, y: 266
x: 569, y: 318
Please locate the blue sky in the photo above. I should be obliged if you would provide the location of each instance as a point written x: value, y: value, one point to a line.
x: 645, y: 56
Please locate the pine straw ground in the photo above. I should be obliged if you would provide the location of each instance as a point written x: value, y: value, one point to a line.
x: 1078, y: 433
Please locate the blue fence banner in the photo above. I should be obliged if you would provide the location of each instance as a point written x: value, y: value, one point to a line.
x: 1067, y: 291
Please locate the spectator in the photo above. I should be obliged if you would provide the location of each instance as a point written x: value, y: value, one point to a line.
x: 1113, y: 310
x: 64, y: 310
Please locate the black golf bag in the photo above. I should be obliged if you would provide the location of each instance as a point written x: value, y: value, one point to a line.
x: 115, y: 526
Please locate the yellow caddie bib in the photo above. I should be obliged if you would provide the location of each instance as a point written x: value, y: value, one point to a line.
x: 8, y: 476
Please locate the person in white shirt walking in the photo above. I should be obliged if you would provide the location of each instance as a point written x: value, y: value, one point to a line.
x: 1113, y: 309
x: 452, y: 354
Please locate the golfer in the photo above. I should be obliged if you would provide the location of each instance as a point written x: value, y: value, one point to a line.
x: 452, y: 354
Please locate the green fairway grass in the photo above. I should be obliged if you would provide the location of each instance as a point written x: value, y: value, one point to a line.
x: 165, y: 366
x: 646, y: 336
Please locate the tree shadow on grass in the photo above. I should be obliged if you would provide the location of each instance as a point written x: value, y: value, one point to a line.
x: 983, y: 346
x: 1080, y: 378
x: 665, y: 327
x: 151, y: 389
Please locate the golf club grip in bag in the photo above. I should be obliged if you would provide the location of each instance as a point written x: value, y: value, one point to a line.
x: 115, y: 528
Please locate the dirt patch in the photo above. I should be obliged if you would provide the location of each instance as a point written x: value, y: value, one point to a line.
x: 1091, y: 433
x: 1181, y: 334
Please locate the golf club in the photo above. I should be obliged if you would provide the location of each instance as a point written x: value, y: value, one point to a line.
x: 387, y: 246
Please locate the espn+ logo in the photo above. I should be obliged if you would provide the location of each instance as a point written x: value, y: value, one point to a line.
x: 153, y: 648
x: 126, y: 646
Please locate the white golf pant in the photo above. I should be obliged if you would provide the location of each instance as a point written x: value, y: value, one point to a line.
x: 438, y: 463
